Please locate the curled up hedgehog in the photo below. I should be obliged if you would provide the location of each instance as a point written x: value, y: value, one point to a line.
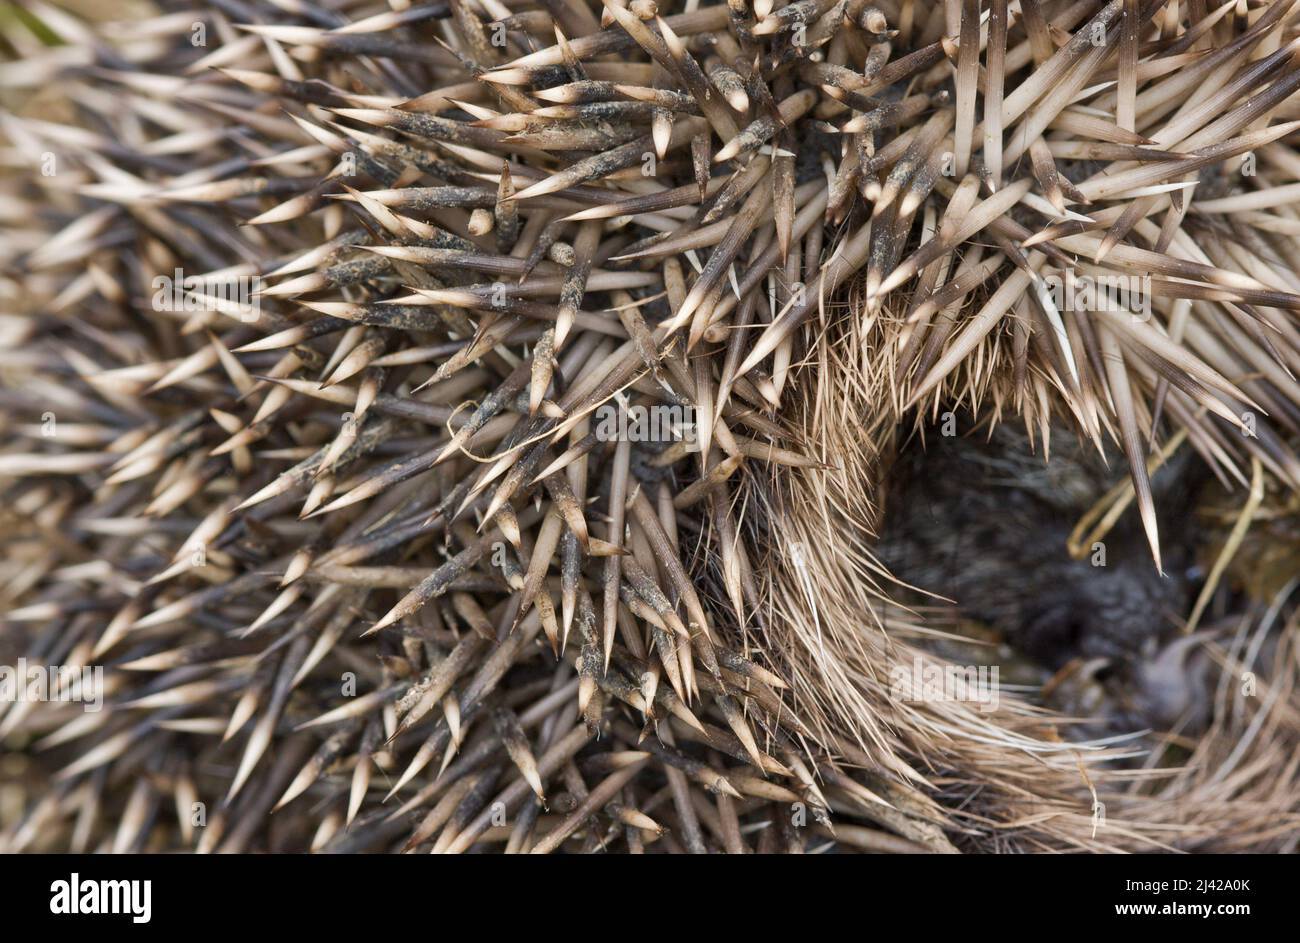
x: 496, y: 425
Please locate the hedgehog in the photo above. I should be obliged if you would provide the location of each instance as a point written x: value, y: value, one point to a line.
x: 460, y: 426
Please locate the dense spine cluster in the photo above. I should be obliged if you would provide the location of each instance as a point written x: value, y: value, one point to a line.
x: 399, y: 397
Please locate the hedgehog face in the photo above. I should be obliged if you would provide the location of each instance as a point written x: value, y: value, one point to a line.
x: 985, y: 522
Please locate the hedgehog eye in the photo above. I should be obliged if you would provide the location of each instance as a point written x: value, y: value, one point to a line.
x: 1073, y: 633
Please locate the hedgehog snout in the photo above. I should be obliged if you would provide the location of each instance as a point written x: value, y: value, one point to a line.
x: 1098, y: 612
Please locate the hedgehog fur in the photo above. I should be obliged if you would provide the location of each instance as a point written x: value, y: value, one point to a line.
x: 467, y: 425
